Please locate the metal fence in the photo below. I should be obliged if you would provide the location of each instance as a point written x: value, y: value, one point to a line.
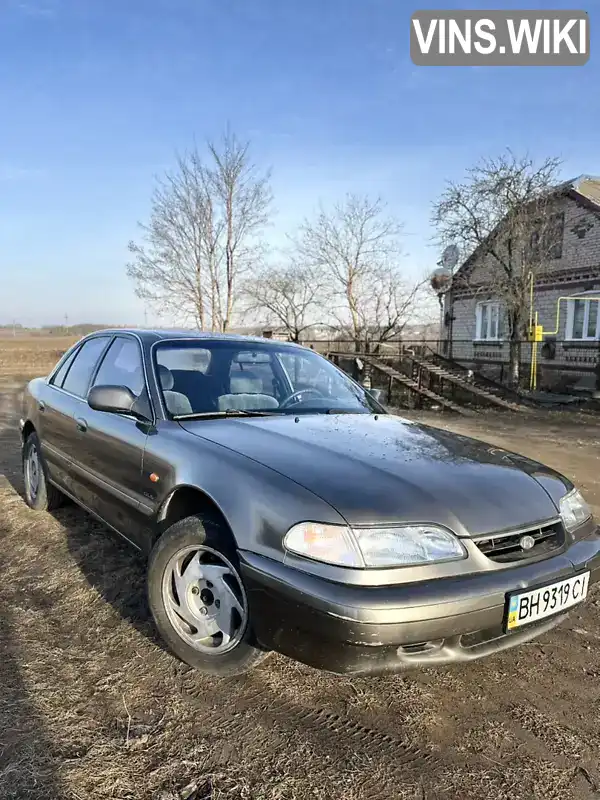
x: 379, y: 349
x: 561, y: 364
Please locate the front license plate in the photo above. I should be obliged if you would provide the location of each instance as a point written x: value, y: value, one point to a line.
x: 546, y: 601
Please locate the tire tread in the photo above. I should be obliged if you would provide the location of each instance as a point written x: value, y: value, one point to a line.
x: 198, y: 529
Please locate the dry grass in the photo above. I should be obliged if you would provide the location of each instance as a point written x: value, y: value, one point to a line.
x: 91, y: 706
x: 35, y: 355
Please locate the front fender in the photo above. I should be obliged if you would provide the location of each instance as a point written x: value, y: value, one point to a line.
x: 29, y: 405
x: 258, y: 503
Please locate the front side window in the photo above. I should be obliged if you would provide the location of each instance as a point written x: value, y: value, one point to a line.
x: 488, y: 321
x: 222, y: 376
x: 122, y: 366
x: 80, y: 374
x: 583, y: 319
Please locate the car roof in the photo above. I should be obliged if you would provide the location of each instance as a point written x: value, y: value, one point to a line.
x: 151, y: 335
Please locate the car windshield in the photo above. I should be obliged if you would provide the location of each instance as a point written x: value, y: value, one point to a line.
x: 235, y: 377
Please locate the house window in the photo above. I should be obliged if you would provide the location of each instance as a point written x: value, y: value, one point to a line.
x: 583, y: 319
x: 555, y: 234
x: 487, y: 317
x: 534, y: 246
x: 546, y: 239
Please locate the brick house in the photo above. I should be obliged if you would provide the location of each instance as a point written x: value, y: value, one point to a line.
x: 474, y: 330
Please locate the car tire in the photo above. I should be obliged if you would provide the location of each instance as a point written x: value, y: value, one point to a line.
x: 40, y: 494
x: 193, y: 570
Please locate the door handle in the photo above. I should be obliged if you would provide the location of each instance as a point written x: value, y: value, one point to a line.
x: 41, y: 406
x: 81, y: 425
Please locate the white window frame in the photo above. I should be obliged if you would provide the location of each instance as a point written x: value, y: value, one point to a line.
x: 479, y: 333
x: 569, y: 333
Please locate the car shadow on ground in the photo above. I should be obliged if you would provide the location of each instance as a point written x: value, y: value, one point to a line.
x: 27, y: 766
x: 113, y: 568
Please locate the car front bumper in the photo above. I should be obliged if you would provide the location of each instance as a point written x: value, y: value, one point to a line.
x: 369, y: 630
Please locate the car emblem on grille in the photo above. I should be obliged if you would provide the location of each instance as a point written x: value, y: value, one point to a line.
x: 527, y: 542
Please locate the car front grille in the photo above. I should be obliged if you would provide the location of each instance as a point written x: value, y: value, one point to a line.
x: 506, y: 547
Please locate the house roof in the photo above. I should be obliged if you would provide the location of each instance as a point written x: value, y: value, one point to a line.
x: 584, y: 190
x: 588, y: 186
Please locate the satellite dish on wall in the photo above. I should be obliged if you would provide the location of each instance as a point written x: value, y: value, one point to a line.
x: 449, y: 257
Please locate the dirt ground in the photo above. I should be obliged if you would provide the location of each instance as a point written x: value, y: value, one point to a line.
x: 91, y: 706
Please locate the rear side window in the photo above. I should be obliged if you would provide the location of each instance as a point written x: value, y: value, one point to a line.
x: 253, y: 375
x: 122, y: 366
x: 188, y: 359
x: 58, y: 379
x: 78, y: 378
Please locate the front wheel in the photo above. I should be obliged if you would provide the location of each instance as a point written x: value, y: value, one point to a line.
x: 198, y: 600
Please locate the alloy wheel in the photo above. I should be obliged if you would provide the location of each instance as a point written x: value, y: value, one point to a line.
x: 204, y: 599
x: 32, y: 472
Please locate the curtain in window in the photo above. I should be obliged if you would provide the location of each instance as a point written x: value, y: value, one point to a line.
x: 578, y: 319
x: 592, y: 319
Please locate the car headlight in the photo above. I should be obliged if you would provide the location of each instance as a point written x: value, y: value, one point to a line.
x: 574, y: 510
x: 393, y: 546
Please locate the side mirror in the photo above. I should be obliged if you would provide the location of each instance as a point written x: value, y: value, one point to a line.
x: 113, y: 399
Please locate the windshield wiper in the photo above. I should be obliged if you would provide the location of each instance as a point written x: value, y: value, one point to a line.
x: 230, y: 412
x: 348, y: 411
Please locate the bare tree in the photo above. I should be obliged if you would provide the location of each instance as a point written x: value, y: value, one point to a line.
x: 390, y: 305
x: 504, y: 215
x: 286, y: 296
x: 356, y: 249
x: 203, y: 235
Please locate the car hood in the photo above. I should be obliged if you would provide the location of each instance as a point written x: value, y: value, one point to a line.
x: 385, y: 469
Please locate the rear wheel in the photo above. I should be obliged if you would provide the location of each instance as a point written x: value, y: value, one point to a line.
x: 40, y: 494
x: 198, y: 600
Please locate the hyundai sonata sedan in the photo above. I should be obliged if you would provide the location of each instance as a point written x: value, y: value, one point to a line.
x: 283, y: 509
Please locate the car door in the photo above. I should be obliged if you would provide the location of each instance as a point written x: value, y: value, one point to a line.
x: 56, y: 405
x: 108, y: 453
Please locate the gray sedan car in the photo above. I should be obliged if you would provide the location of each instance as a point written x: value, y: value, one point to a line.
x: 283, y: 509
